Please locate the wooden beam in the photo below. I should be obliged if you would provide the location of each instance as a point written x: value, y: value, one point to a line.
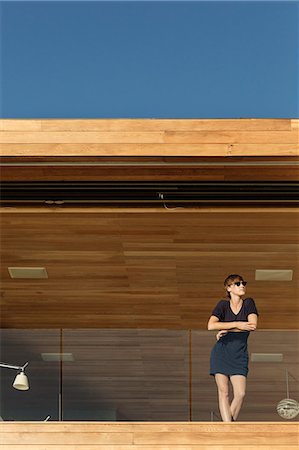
x: 150, y: 435
x: 149, y: 137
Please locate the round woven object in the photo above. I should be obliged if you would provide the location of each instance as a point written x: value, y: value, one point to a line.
x: 288, y: 408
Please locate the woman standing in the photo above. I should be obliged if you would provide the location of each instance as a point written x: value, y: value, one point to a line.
x: 234, y: 318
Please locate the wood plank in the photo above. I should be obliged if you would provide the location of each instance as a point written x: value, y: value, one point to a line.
x: 263, y: 150
x: 160, y: 124
x: 148, y: 447
x: 169, y: 137
x: 86, y: 137
x: 150, y: 426
x: 149, y: 436
x: 62, y: 438
x: 149, y: 137
x: 255, y: 173
x: 254, y: 438
x: 149, y: 210
x: 20, y: 125
x: 90, y: 173
x: 121, y: 149
x: 164, y: 124
x: 150, y: 168
x: 149, y: 149
x: 143, y: 438
x: 110, y: 173
x: 295, y: 123
x: 157, y: 160
x: 231, y: 137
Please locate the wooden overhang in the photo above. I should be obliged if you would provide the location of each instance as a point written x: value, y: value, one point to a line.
x: 146, y: 266
x: 149, y: 275
x: 149, y: 149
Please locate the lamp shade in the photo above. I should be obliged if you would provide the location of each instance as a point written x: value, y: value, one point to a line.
x: 288, y: 408
x: 21, y: 382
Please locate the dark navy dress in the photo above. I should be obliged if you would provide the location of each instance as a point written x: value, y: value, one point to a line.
x: 229, y: 355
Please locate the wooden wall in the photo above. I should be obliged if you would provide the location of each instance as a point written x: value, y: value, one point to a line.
x: 149, y: 436
x: 128, y: 168
x: 144, y: 269
x: 149, y: 137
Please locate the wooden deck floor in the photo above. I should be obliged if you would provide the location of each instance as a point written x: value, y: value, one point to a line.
x: 149, y: 436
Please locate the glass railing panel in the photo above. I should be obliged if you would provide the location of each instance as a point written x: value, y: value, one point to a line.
x: 204, y: 396
x: 130, y: 375
x: 17, y: 346
x: 140, y: 375
x: 273, y: 359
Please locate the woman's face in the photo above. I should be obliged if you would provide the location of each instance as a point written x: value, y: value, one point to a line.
x: 237, y: 288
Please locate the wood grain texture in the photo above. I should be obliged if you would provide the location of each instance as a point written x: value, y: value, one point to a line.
x: 141, y: 210
x: 147, y: 269
x: 148, y: 447
x: 110, y: 173
x: 167, y: 137
x: 58, y: 149
x: 158, y: 436
x: 150, y: 168
x: 149, y: 137
x: 88, y: 137
x: 295, y: 123
x: 147, y: 124
x: 263, y: 150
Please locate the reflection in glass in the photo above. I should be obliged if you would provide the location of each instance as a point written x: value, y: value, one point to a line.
x: 126, y: 375
x: 265, y: 382
x: 41, y: 400
x: 139, y: 375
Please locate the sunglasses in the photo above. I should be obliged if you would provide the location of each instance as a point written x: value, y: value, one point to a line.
x: 238, y: 283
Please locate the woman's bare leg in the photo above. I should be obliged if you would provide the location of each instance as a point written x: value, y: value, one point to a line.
x: 239, y: 387
x: 223, y: 396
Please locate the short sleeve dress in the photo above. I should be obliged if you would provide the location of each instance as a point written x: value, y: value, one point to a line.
x: 229, y: 355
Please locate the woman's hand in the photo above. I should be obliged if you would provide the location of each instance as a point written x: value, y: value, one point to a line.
x: 246, y: 326
x: 220, y: 334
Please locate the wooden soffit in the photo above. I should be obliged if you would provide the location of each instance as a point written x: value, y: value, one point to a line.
x: 149, y: 149
x: 149, y: 137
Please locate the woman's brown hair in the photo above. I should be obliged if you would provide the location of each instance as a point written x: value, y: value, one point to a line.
x: 229, y: 280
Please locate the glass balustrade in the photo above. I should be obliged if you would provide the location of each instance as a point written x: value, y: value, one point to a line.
x: 139, y: 375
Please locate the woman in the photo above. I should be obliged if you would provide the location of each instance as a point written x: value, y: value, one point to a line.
x: 234, y: 318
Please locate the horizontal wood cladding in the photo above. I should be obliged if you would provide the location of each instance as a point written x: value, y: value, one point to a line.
x: 166, y: 137
x: 149, y: 137
x: 141, y: 210
x: 147, y: 447
x: 117, y: 168
x: 149, y: 436
x: 146, y: 124
x: 90, y: 172
x: 68, y: 149
x: 144, y: 269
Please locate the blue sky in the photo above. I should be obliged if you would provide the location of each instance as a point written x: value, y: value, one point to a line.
x: 160, y: 59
